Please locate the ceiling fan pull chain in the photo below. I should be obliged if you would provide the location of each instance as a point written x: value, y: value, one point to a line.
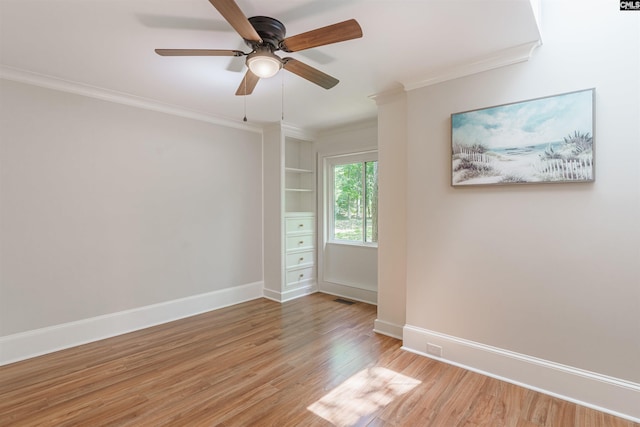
x: 282, y: 102
x: 245, y: 100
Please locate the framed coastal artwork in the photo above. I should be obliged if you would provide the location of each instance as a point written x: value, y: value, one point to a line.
x: 543, y: 140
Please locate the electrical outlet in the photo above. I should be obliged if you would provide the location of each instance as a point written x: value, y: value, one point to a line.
x: 434, y: 350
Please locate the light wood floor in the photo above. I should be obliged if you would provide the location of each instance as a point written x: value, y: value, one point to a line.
x: 308, y: 362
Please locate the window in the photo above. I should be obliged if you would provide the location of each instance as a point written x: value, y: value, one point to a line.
x: 353, y: 194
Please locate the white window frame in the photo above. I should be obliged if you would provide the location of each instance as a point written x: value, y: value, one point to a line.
x: 329, y: 164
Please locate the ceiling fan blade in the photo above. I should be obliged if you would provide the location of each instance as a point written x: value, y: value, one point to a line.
x: 307, y: 72
x: 199, y: 52
x: 247, y: 84
x: 335, y: 33
x: 234, y: 16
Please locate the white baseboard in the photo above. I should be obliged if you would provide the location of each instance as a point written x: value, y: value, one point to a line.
x: 348, y: 291
x: 386, y: 328
x: 33, y: 343
x: 597, y: 391
x: 290, y: 294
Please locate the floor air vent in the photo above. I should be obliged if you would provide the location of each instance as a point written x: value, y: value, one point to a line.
x: 344, y: 301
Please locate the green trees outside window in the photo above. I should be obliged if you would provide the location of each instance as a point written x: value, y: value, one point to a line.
x: 355, y: 195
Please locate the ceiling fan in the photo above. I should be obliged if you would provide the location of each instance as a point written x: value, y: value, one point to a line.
x: 265, y: 36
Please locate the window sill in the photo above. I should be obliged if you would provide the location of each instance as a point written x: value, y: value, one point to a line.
x: 350, y: 243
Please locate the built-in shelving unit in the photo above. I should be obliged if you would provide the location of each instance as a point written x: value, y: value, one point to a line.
x: 299, y: 175
x: 290, y: 213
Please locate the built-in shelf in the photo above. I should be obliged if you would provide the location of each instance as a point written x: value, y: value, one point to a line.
x: 297, y: 214
x: 289, y: 207
x: 296, y: 170
x: 299, y: 179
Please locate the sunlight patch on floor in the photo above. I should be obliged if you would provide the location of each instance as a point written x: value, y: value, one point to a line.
x: 361, y: 395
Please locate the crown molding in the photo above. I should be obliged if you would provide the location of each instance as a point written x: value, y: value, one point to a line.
x: 502, y: 58
x: 350, y: 127
x: 49, y: 82
x: 298, y: 132
x: 388, y: 95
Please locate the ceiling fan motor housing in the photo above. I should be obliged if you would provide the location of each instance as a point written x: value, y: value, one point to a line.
x: 270, y: 30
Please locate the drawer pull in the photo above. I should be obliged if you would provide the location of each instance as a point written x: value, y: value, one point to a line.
x: 300, y: 225
x: 301, y: 259
x: 301, y: 242
x: 301, y: 275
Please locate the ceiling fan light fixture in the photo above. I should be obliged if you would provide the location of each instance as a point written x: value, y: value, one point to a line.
x: 264, y: 64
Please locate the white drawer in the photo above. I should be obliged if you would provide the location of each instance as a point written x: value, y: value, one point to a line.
x: 302, y: 225
x: 300, y: 242
x: 296, y: 259
x: 300, y: 275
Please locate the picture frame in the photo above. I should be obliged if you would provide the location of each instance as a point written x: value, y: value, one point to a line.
x: 542, y: 140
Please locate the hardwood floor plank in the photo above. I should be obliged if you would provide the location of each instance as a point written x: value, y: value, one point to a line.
x: 308, y: 362
x: 561, y: 413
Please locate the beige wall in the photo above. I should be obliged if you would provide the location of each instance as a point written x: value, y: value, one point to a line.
x: 392, y: 213
x: 107, y: 208
x: 545, y: 270
x: 508, y: 278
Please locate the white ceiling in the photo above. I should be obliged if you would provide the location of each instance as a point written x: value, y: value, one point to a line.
x: 109, y: 44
